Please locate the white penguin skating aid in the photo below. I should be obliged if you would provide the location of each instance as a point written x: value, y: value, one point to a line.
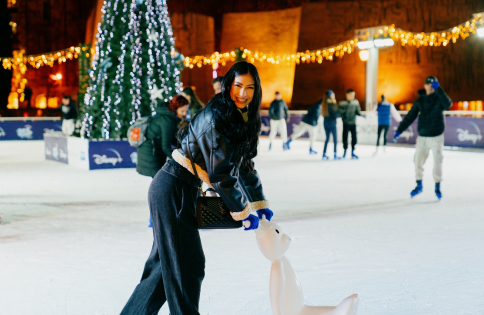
x: 285, y: 290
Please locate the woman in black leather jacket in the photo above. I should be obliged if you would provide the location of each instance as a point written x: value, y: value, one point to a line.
x: 222, y: 139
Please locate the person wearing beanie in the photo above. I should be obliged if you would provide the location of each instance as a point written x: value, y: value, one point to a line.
x: 429, y: 108
x: 386, y: 111
x: 279, y: 114
x: 329, y: 110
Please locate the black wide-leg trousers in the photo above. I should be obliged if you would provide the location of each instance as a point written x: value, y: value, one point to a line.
x: 176, y: 266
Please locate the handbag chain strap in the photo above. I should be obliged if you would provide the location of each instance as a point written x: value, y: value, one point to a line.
x: 193, y: 163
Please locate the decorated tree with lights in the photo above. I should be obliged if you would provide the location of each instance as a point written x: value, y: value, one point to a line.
x: 135, y: 67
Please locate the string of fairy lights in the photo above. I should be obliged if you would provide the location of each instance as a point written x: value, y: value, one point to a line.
x: 406, y: 38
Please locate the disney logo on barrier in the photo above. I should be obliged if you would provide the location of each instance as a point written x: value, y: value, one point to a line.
x: 103, y: 159
x: 465, y: 135
x: 2, y: 132
x: 25, y: 133
x: 264, y: 128
x: 134, y: 157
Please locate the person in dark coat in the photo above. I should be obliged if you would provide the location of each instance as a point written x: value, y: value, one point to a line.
x: 329, y: 111
x: 69, y: 115
x: 308, y: 124
x: 279, y: 114
x: 220, y: 141
x: 349, y: 108
x: 429, y: 108
x: 161, y: 136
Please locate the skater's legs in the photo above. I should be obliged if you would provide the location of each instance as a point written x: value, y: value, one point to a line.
x: 385, y: 133
x: 437, y: 145
x: 149, y: 295
x: 353, y: 136
x: 421, y: 154
x: 327, y: 131
x: 380, y: 128
x: 334, y: 132
x: 302, y: 128
x: 273, y: 133
x: 345, y: 136
x: 283, y: 130
x: 312, y: 130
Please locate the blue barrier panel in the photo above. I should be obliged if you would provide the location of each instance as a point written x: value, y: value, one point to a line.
x: 463, y: 132
x: 111, y: 154
x: 27, y: 130
x: 56, y: 149
x: 293, y: 122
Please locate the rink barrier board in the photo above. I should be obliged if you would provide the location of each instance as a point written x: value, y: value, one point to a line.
x: 465, y: 132
x: 27, y: 129
x: 89, y: 155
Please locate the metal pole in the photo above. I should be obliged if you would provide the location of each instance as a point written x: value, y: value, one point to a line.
x: 371, y: 79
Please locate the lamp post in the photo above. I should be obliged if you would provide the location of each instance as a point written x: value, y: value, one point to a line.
x: 370, y: 40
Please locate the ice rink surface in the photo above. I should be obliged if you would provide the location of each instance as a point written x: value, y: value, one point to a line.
x: 75, y: 242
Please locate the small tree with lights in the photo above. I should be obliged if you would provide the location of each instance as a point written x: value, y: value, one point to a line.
x: 134, y: 69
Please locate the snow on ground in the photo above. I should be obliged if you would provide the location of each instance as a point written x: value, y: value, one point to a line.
x: 75, y: 242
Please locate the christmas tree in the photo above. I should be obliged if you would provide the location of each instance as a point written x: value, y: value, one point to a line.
x: 135, y: 67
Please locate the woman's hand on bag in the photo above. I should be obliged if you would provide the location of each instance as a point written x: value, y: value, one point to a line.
x: 251, y: 223
x: 267, y: 213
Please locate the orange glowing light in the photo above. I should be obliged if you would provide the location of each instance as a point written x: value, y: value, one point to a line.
x: 56, y: 77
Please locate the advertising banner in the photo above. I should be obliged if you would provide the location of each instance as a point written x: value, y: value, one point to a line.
x: 111, y: 154
x: 465, y: 132
x: 28, y: 130
x: 56, y: 148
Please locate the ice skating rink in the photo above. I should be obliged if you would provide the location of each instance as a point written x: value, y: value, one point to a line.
x: 75, y: 242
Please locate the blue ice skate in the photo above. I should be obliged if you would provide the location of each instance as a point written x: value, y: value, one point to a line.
x: 288, y: 144
x: 354, y: 156
x: 311, y: 151
x: 151, y: 223
x: 285, y: 147
x: 325, y: 157
x: 438, y: 193
x: 417, y: 189
x: 337, y: 157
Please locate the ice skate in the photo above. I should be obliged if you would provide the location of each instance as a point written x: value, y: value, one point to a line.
x: 285, y: 290
x: 344, y: 154
x: 311, y: 151
x: 438, y: 193
x: 354, y: 156
x: 285, y: 147
x: 337, y: 157
x: 288, y: 144
x: 270, y: 146
x: 325, y: 157
x: 376, y: 151
x: 417, y: 189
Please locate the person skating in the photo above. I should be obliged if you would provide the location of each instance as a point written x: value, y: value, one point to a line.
x: 308, y: 124
x: 349, y: 109
x: 69, y: 115
x: 429, y: 108
x: 279, y: 114
x: 386, y: 111
x: 161, y: 135
x: 222, y: 140
x: 330, y: 113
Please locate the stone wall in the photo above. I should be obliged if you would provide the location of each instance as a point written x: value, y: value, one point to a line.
x: 194, y: 35
x: 402, y: 70
x: 271, y: 31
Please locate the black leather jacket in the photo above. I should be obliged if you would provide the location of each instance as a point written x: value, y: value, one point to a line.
x: 216, y: 165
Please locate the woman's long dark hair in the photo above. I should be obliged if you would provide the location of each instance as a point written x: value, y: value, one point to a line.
x: 228, y: 120
x: 324, y: 104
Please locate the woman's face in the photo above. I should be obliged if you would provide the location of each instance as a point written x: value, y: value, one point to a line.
x: 332, y: 96
x: 65, y: 101
x: 187, y: 97
x: 242, y: 90
x: 181, y: 111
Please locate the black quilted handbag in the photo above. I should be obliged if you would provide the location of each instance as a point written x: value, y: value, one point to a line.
x: 212, y: 213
